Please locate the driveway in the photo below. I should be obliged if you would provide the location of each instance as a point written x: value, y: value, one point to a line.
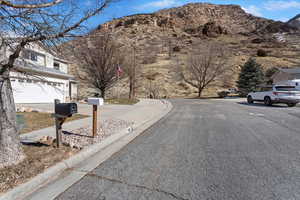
x: 85, y: 109
x: 205, y: 149
x: 109, y: 111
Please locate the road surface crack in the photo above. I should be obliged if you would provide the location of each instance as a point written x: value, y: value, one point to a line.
x: 175, y: 196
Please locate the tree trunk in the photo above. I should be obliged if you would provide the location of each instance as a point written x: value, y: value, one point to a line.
x: 103, y: 90
x: 131, y: 88
x: 200, y: 92
x: 10, y: 147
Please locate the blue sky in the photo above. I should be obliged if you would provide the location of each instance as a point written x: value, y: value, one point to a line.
x: 273, y: 9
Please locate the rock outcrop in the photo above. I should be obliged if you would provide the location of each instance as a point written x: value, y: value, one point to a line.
x: 295, y: 22
x: 164, y: 39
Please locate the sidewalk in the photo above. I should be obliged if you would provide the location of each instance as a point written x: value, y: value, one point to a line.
x: 56, y: 179
x: 137, y: 113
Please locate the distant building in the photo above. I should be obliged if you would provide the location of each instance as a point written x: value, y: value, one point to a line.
x: 40, y: 77
x: 290, y: 76
x: 280, y: 37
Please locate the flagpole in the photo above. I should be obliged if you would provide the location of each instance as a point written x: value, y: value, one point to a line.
x: 118, y: 78
x: 118, y: 92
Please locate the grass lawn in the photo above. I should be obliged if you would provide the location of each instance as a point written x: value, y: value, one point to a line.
x: 122, y: 101
x: 35, y: 121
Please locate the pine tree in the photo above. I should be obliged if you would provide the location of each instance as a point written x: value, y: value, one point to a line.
x: 250, y: 77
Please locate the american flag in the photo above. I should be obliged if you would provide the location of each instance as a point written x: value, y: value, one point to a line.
x: 119, y: 71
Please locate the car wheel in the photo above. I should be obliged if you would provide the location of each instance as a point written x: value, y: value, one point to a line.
x: 291, y: 104
x: 250, y: 100
x: 267, y: 101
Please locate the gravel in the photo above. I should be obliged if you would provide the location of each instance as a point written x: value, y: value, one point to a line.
x: 82, y: 137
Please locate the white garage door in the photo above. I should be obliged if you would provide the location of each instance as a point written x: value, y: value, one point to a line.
x: 41, y: 92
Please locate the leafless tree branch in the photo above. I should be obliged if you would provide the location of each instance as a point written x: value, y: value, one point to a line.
x: 205, y: 65
x: 34, y: 5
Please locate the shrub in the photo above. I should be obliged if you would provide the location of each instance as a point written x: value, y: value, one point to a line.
x: 176, y: 49
x: 269, y: 73
x: 149, y: 59
x: 223, y: 94
x: 261, y: 53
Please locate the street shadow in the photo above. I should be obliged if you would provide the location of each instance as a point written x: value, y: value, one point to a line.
x: 202, y: 98
x: 35, y: 144
x: 262, y: 105
x: 69, y: 133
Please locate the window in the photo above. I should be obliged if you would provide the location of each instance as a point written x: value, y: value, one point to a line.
x: 30, y: 55
x: 285, y: 88
x: 26, y: 54
x: 33, y: 56
x: 56, y: 65
x: 265, y: 89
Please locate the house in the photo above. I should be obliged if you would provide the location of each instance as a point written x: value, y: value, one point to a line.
x: 40, y: 76
x: 290, y: 76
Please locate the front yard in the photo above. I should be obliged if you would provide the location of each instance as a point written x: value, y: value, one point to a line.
x: 31, y: 121
x: 38, y: 158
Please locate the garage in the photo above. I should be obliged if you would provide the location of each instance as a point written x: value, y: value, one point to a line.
x: 38, y: 91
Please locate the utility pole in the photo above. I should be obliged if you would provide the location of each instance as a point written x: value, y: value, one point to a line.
x: 132, y: 80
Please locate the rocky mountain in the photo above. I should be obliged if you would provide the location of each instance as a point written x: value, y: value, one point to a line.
x: 295, y: 22
x: 163, y: 41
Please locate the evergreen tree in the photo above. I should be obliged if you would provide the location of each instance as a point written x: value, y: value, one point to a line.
x: 250, y: 77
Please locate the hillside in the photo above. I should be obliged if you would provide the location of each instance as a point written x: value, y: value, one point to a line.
x: 164, y: 39
x: 295, y: 22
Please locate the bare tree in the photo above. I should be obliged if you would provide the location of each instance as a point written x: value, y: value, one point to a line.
x: 205, y: 65
x: 99, y: 61
x: 130, y: 69
x: 154, y: 90
x: 23, y: 22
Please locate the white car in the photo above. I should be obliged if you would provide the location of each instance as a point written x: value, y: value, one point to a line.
x: 276, y: 94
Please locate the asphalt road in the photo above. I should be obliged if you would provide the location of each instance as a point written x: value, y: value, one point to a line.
x: 205, y: 149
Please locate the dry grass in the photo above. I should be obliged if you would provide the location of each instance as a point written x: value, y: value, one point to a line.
x: 38, y: 158
x: 122, y: 101
x: 35, y: 121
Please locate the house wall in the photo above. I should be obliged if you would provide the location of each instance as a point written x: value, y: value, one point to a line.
x: 47, y: 59
x: 29, y: 89
x: 281, y: 76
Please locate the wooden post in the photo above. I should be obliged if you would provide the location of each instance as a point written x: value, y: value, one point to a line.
x: 58, y: 122
x: 58, y: 126
x: 95, y: 120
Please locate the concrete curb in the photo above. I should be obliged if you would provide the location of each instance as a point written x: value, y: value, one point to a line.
x: 116, y: 142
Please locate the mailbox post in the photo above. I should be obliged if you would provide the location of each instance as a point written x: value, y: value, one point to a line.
x: 58, y: 124
x: 95, y: 108
x: 62, y: 112
x: 95, y: 102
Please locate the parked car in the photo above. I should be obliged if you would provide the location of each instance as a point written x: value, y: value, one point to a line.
x: 232, y: 90
x: 276, y: 94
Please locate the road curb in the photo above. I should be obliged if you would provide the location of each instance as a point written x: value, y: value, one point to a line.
x: 51, y: 174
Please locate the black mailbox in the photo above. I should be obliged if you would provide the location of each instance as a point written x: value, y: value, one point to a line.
x: 66, y: 109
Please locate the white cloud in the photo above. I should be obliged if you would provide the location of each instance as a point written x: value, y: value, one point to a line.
x: 253, y: 10
x: 281, y: 5
x: 158, y: 4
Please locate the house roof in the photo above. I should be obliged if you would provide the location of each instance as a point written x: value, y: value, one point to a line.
x: 290, y: 70
x: 22, y: 65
